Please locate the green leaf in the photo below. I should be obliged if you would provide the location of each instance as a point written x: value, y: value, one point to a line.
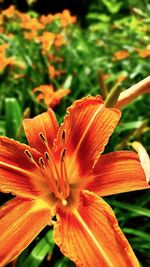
x: 67, y: 82
x: 64, y: 262
x: 112, y: 6
x: 37, y: 255
x: 2, y: 127
x: 129, y: 126
x: 133, y: 208
x: 96, y: 16
x: 137, y: 233
x: 13, y: 117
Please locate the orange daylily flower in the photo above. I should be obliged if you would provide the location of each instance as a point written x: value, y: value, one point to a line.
x: 32, y: 25
x: 59, y: 40
x: 1, y: 29
x: 66, y: 18
x: 47, y: 39
x: 62, y: 173
x: 122, y: 54
x: 32, y: 35
x: 9, y: 12
x: 1, y: 19
x: 52, y: 57
x: 143, y: 53
x: 3, y: 48
x: 53, y: 72
x: 23, y: 16
x: 47, y: 19
x: 4, y: 61
x: 51, y: 98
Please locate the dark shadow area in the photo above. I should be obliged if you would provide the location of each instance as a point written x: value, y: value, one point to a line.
x: 79, y: 8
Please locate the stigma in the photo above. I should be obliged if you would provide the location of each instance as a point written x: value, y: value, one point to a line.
x: 64, y: 202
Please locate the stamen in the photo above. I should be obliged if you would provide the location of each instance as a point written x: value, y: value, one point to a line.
x: 49, y: 178
x: 64, y: 202
x: 41, y: 162
x: 63, y: 154
x: 46, y: 156
x: 28, y: 154
x: 63, y: 136
x: 66, y: 179
x: 30, y: 157
x: 52, y: 178
x: 64, y: 176
x: 53, y: 172
x: 51, y: 181
x: 42, y: 137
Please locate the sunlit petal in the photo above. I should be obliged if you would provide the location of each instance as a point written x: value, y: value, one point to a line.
x: 144, y: 158
x: 44, y: 123
x: 21, y: 221
x: 86, y: 129
x: 117, y: 172
x: 18, y: 174
x: 91, y: 236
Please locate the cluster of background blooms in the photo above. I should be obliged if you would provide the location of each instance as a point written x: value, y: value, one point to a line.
x: 48, y: 33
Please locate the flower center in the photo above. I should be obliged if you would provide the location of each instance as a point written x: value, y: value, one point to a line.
x: 54, y: 173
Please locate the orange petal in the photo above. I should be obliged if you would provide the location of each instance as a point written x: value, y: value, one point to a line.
x: 17, y: 173
x: 118, y: 172
x: 144, y: 158
x: 87, y: 128
x: 21, y: 221
x: 91, y: 236
x: 44, y: 123
x: 127, y: 96
x: 56, y: 98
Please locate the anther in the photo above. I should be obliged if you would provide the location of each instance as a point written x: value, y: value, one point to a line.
x: 63, y: 136
x: 46, y: 156
x: 28, y: 154
x: 41, y: 162
x: 63, y: 154
x: 42, y: 137
x: 64, y: 202
x: 30, y: 157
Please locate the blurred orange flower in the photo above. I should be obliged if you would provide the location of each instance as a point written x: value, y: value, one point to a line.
x: 52, y: 57
x: 1, y: 19
x: 59, y: 40
x: 9, y: 12
x: 143, y: 53
x: 1, y: 29
x: 62, y: 173
x: 32, y: 35
x: 120, y: 55
x: 47, y: 39
x: 50, y: 97
x: 32, y: 25
x: 4, y: 61
x: 53, y: 73
x: 66, y: 18
x: 23, y: 16
x: 46, y: 19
